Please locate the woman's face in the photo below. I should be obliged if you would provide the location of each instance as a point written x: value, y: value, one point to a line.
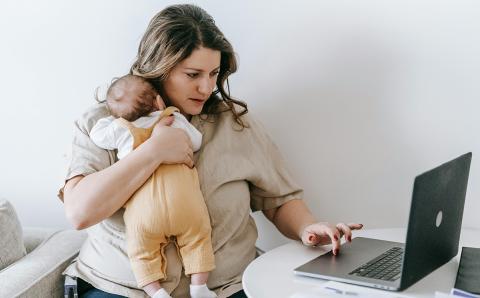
x: 191, y: 82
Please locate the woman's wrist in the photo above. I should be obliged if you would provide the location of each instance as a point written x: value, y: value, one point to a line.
x: 151, y: 147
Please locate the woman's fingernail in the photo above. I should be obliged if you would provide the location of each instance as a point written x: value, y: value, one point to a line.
x: 350, y: 238
x: 335, y: 237
x: 335, y: 251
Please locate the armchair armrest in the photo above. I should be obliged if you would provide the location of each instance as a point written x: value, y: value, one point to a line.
x: 39, y: 273
x: 34, y: 236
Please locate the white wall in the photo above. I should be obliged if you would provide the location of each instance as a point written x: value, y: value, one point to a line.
x: 359, y: 95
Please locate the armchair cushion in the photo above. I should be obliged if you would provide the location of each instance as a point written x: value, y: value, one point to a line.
x: 11, y: 240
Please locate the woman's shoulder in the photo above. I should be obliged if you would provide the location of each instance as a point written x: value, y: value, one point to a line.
x: 247, y: 124
x: 230, y: 115
x: 252, y: 138
x: 91, y: 116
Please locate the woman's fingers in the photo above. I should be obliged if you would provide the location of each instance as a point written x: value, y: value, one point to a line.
x: 355, y: 226
x: 335, y: 238
x: 309, y: 238
x: 166, y: 121
x: 324, y: 233
x: 334, y: 235
x: 189, y: 158
x: 173, y: 145
x: 189, y: 163
x: 189, y: 151
x: 345, y: 230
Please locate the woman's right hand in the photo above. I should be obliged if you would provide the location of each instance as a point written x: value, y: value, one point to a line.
x: 92, y: 198
x: 173, y: 145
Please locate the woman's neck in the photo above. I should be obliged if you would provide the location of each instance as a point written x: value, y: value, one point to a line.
x: 189, y: 117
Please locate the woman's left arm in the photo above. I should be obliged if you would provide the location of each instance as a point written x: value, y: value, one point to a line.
x: 294, y: 220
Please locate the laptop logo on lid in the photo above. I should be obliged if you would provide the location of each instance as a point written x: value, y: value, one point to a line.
x: 438, y: 222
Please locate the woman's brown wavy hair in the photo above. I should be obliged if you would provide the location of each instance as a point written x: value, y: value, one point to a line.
x: 172, y: 35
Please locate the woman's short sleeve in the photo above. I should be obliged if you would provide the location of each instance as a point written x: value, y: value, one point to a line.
x: 272, y: 184
x: 86, y: 157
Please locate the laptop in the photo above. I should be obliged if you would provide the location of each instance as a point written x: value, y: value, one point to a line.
x: 432, y: 240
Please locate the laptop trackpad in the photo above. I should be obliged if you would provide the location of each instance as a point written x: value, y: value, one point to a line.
x: 352, y: 255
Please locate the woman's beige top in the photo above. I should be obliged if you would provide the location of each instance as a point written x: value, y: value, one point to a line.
x: 239, y: 170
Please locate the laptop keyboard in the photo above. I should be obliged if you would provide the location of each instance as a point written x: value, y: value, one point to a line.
x: 386, y: 266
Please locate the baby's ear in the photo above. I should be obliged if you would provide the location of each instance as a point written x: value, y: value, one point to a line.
x: 160, y: 103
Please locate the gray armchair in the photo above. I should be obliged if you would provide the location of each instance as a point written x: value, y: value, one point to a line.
x: 39, y: 273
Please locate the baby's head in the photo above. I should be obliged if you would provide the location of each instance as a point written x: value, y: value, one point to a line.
x: 132, y: 97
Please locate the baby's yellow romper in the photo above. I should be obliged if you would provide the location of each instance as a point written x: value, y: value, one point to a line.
x: 169, y: 203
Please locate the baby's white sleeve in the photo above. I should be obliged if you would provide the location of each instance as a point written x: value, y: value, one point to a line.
x: 193, y: 133
x: 103, y: 133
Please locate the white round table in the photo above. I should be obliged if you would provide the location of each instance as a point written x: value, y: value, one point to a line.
x: 271, y: 274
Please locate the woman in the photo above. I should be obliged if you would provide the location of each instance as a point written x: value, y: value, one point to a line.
x: 188, y: 60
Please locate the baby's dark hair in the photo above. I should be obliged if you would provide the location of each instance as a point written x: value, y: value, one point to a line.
x: 128, y: 100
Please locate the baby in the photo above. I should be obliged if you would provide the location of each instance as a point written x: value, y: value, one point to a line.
x: 169, y: 203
